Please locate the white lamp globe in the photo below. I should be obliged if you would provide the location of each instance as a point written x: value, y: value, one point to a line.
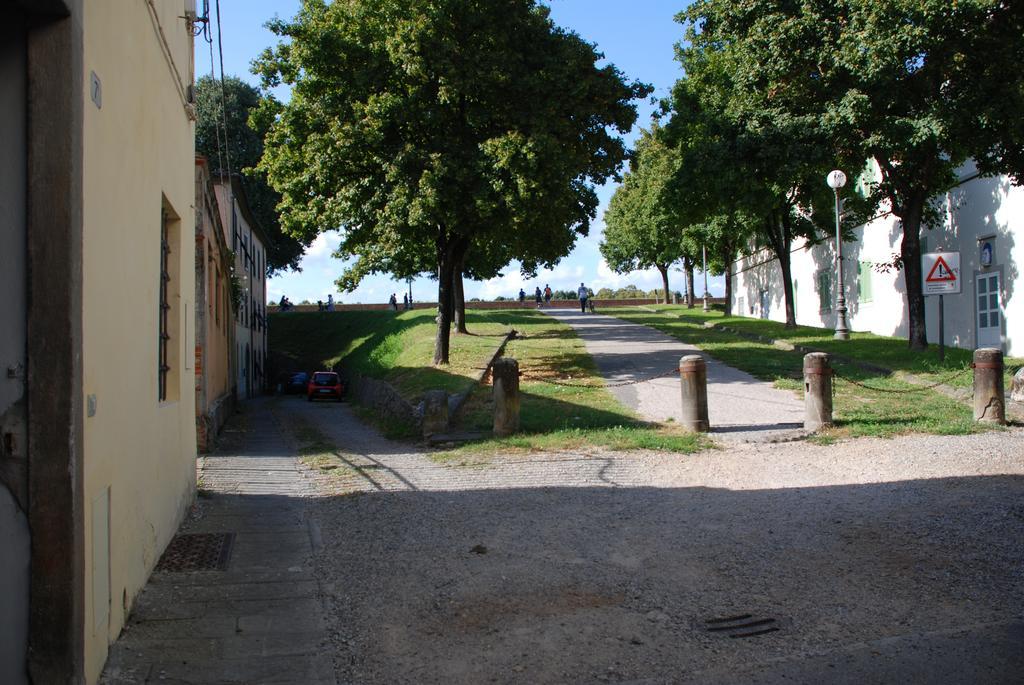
x: 836, y: 179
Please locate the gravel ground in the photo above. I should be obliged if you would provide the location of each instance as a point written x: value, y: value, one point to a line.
x: 598, y: 566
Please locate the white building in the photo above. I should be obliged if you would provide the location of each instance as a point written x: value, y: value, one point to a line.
x: 248, y: 243
x: 979, y: 215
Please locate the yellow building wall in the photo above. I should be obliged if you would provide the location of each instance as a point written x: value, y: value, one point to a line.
x: 215, y: 348
x: 139, y: 453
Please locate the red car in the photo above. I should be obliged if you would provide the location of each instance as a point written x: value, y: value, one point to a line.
x: 324, y: 384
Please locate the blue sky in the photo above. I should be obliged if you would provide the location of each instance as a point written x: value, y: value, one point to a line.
x: 637, y: 37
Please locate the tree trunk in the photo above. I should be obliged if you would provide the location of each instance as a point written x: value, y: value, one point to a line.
x: 688, y: 267
x: 785, y: 261
x: 787, y: 287
x: 663, y: 268
x: 910, y: 255
x: 445, y: 301
x: 727, y: 260
x: 460, y: 297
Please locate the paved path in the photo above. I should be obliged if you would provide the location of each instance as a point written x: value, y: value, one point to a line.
x: 740, y: 407
x: 259, y: 621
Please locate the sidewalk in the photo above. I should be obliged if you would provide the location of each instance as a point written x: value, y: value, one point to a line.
x: 740, y: 407
x: 256, y: 616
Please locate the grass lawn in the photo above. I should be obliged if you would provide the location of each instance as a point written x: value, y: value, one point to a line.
x: 398, y: 348
x: 395, y: 347
x: 891, y: 353
x: 891, y: 407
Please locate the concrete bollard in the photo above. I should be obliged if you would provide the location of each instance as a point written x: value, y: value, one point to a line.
x: 505, y: 373
x: 693, y: 377
x: 435, y: 413
x: 989, y: 401
x: 817, y: 391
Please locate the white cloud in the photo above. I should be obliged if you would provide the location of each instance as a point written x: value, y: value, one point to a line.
x: 645, y: 279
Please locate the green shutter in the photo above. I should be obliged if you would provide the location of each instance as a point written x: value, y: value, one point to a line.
x: 864, y: 282
x: 824, y: 291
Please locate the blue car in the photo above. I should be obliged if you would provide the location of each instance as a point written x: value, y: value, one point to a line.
x: 297, y: 384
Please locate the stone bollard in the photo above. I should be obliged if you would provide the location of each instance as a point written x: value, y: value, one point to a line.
x: 817, y: 391
x: 435, y: 413
x: 989, y: 402
x: 693, y: 377
x: 505, y: 373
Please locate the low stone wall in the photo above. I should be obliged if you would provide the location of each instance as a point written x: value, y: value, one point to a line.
x: 209, y: 425
x: 529, y: 304
x: 382, y: 397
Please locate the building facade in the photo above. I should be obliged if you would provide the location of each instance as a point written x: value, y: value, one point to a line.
x: 215, y: 325
x: 982, y: 219
x: 97, y: 332
x: 248, y: 243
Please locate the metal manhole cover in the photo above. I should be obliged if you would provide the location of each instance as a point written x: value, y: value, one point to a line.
x: 197, y: 552
x: 741, y: 625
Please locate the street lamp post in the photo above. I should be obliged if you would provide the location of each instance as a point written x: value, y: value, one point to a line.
x: 704, y: 258
x: 836, y: 180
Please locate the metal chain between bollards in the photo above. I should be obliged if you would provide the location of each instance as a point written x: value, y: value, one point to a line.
x: 915, y: 389
x: 550, y: 381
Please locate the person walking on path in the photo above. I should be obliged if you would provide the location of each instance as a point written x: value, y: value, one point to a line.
x: 330, y: 303
x: 547, y: 295
x: 584, y: 295
x: 522, y: 296
x: 393, y: 302
x: 405, y: 301
x: 539, y: 297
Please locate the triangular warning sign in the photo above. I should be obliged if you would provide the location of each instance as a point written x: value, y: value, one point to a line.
x: 940, y: 273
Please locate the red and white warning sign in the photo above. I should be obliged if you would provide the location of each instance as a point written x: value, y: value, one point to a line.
x: 941, y: 272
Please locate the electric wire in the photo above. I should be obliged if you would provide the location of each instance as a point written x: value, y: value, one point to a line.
x: 223, y: 96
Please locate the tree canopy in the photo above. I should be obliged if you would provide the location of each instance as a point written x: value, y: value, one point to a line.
x: 243, y: 148
x: 642, y: 227
x: 425, y: 126
x: 917, y: 86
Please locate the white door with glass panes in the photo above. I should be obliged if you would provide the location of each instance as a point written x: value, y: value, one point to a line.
x: 990, y: 316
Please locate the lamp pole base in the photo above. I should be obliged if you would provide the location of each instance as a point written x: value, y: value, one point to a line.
x: 842, y: 330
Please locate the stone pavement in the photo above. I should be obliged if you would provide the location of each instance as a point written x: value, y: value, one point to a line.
x: 261, y: 620
x: 740, y: 407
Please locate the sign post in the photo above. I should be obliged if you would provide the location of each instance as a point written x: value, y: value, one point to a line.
x: 941, y: 271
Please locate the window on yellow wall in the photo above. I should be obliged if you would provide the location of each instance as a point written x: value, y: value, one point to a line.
x: 864, y: 282
x: 216, y: 299
x: 168, y: 357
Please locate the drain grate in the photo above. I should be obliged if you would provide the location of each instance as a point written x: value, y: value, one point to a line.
x: 197, y: 552
x: 742, y: 625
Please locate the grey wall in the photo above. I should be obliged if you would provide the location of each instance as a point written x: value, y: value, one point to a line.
x: 14, y: 535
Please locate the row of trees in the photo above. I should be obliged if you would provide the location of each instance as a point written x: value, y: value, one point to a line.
x: 776, y: 94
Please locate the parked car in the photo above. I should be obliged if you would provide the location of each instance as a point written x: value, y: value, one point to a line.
x: 325, y: 384
x: 297, y: 383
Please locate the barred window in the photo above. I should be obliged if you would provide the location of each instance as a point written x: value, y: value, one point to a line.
x: 165, y: 305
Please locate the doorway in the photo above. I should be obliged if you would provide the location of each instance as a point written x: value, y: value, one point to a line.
x: 990, y: 315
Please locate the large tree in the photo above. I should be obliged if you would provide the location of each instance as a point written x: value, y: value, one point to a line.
x: 240, y: 151
x: 441, y: 123
x: 918, y: 86
x: 642, y: 230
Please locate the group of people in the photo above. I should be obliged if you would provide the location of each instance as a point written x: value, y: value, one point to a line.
x: 543, y: 298
x: 406, y: 302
